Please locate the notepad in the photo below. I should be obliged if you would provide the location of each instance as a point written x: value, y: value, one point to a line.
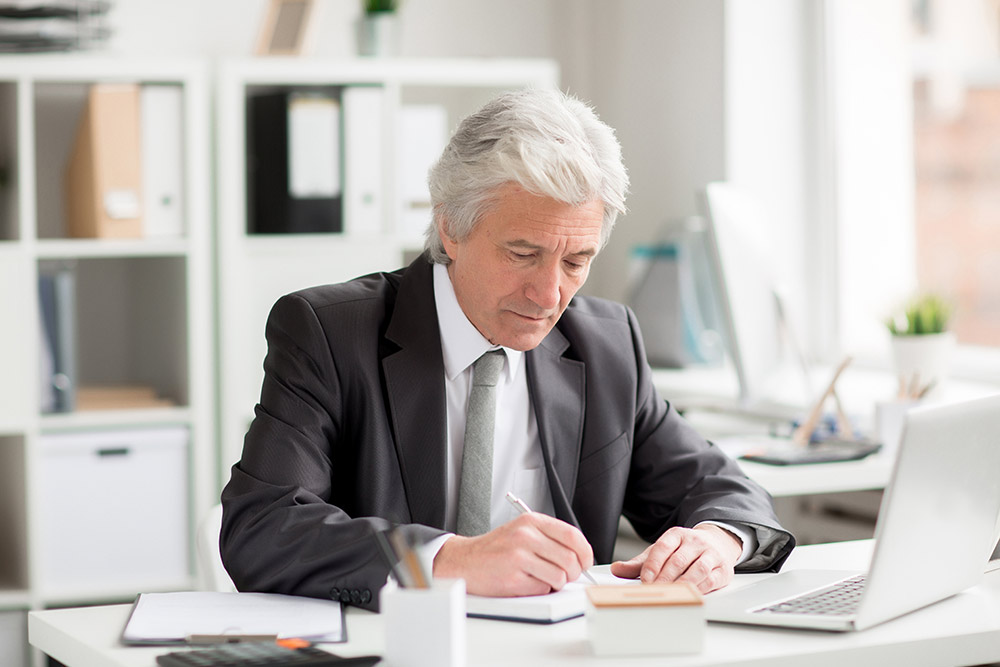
x: 570, y: 602
x: 173, y: 618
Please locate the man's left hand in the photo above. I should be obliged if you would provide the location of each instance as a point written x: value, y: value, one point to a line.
x: 704, y: 556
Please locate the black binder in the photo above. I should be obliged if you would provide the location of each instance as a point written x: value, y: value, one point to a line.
x: 272, y: 207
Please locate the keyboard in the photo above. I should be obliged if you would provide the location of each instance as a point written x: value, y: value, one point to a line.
x: 839, y: 599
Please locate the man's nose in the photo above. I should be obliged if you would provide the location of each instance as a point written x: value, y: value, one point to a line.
x: 544, y: 287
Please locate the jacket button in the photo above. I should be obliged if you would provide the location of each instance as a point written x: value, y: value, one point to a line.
x: 355, y: 596
x: 334, y: 593
x: 345, y: 595
x: 366, y: 596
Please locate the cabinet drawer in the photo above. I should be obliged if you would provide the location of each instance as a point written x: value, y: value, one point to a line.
x: 13, y: 639
x: 113, y: 511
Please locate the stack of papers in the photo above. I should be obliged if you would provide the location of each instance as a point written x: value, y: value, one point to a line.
x: 174, y: 618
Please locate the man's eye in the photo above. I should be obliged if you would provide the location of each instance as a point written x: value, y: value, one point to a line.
x: 522, y: 255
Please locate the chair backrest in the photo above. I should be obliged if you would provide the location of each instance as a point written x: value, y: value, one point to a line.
x: 212, y: 575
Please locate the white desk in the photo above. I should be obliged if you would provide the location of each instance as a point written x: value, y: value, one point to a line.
x: 962, y: 630
x: 859, y: 389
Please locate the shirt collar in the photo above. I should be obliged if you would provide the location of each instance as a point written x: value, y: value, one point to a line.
x: 461, y: 342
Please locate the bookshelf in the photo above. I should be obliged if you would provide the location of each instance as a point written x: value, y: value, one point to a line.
x: 77, y: 487
x: 255, y: 269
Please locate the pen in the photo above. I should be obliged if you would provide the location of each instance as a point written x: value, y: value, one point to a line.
x: 393, y: 560
x: 523, y: 508
x: 409, y: 561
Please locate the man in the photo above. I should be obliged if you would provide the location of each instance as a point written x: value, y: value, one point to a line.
x: 364, y: 408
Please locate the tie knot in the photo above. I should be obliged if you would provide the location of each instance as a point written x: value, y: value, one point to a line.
x: 486, y: 369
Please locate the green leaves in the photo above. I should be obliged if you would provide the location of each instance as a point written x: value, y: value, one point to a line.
x: 377, y: 6
x: 926, y: 314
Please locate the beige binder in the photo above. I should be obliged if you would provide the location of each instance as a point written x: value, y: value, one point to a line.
x: 104, y: 175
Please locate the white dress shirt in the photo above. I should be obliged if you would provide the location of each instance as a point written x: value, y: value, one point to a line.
x: 518, y: 465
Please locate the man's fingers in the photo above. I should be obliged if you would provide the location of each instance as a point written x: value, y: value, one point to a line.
x: 658, y: 555
x: 567, y: 536
x: 531, y: 555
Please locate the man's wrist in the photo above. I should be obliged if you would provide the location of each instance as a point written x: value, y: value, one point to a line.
x: 743, y: 534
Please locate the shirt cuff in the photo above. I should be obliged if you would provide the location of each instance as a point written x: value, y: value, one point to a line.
x: 428, y: 552
x: 746, y: 536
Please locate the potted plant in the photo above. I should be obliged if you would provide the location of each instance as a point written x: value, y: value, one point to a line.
x: 921, y: 344
x: 378, y: 28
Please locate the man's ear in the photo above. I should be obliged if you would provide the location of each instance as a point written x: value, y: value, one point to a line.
x: 450, y: 244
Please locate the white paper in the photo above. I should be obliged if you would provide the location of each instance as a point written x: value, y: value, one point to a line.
x: 313, y: 147
x: 173, y: 617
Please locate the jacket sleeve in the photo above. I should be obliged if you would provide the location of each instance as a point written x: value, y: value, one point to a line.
x: 677, y: 478
x: 288, y: 522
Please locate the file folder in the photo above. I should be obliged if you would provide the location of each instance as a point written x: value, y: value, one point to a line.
x: 293, y: 163
x: 162, y: 111
x: 104, y: 174
x: 363, y: 108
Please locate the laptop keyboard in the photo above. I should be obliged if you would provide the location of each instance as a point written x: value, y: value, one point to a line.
x: 840, y: 599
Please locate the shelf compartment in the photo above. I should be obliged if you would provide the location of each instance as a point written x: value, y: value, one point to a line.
x: 129, y: 315
x: 9, y: 210
x: 58, y: 108
x: 13, y: 517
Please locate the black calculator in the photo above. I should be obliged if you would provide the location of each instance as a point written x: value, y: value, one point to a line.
x: 260, y: 654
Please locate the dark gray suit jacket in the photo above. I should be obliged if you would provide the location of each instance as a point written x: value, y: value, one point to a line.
x: 350, y: 433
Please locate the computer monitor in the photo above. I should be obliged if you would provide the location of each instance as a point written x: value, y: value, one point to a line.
x: 769, y: 370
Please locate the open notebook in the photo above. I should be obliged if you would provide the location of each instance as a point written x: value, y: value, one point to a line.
x: 562, y: 605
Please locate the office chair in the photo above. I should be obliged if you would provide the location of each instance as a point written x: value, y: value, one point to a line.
x: 212, y: 575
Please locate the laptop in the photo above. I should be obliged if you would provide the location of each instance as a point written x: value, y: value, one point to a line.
x: 935, y: 531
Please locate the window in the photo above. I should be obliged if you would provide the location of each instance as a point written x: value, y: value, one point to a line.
x: 956, y: 102
x: 913, y: 97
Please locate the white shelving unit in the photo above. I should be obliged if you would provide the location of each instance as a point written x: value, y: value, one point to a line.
x: 254, y: 270
x: 143, y: 317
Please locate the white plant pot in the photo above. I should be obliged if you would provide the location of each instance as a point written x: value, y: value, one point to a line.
x: 923, y: 359
x: 378, y: 35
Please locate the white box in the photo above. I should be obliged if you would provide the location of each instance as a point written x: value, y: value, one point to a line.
x: 649, y: 619
x: 13, y: 639
x: 425, y: 627
x: 113, y: 511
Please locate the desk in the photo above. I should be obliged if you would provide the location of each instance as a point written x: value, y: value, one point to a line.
x: 962, y: 630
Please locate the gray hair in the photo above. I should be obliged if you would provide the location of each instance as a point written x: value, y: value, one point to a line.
x: 549, y: 143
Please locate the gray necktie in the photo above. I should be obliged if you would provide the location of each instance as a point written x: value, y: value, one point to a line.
x: 476, y: 485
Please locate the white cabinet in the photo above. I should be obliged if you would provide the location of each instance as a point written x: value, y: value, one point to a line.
x: 141, y: 332
x: 383, y: 161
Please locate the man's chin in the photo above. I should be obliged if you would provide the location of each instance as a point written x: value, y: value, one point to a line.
x: 523, y: 342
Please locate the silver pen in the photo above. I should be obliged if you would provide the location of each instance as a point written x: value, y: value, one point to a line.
x: 523, y: 508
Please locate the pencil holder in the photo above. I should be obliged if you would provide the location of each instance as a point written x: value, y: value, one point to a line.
x: 425, y: 627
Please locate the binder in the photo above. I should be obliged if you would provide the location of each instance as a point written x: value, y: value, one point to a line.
x: 422, y: 135
x: 162, y: 141
x: 103, y: 177
x: 363, y: 108
x: 57, y: 306
x: 293, y: 163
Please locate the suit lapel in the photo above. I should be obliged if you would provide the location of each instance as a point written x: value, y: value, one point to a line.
x: 557, y: 389
x: 414, y: 383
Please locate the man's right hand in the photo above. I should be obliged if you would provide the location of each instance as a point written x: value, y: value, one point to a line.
x: 533, y: 554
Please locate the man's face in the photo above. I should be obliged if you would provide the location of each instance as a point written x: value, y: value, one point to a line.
x: 517, y: 271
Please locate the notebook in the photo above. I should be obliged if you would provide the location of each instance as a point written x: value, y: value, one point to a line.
x: 944, y: 483
x: 570, y: 602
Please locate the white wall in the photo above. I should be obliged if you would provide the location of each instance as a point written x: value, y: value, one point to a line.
x: 654, y: 69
